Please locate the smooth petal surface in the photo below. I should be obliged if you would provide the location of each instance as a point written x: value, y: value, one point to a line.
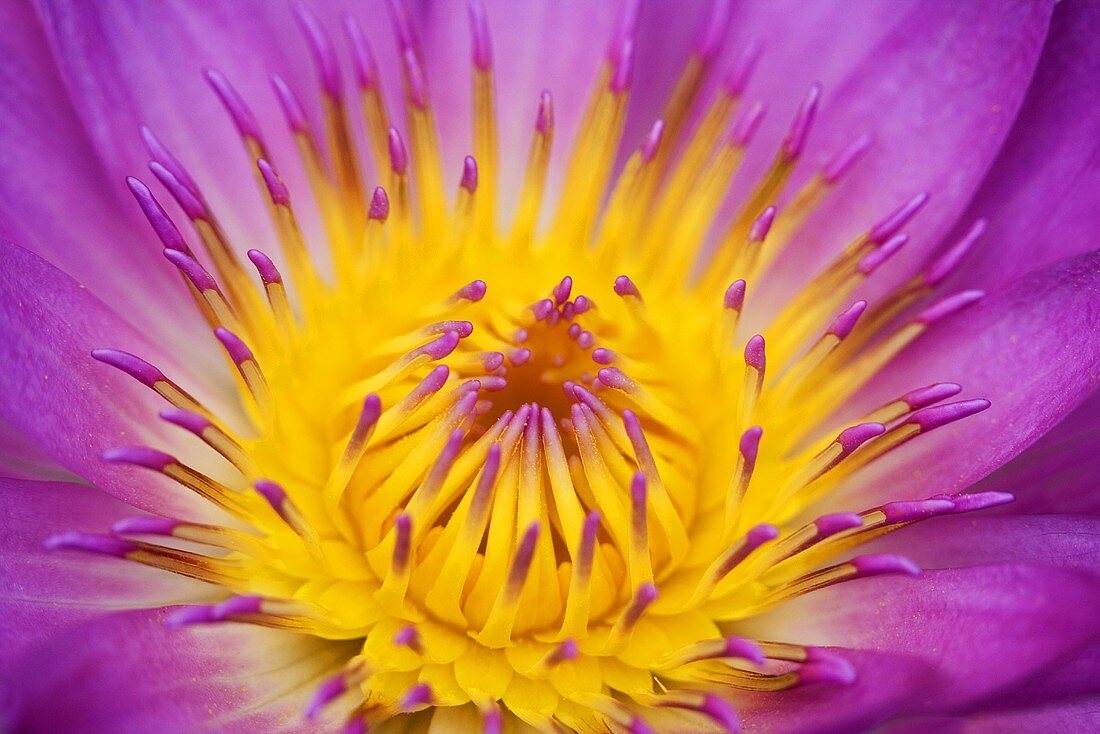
x: 150, y: 678
x: 1042, y: 197
x: 43, y: 592
x: 1030, y: 348
x: 69, y: 405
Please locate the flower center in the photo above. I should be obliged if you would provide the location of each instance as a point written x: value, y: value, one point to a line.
x: 550, y: 501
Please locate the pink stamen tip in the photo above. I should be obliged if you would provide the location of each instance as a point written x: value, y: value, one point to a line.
x: 738, y: 647
x: 274, y: 494
x: 142, y: 456
x: 922, y: 397
x: 292, y: 106
x: 586, y: 340
x: 626, y: 24
x: 639, y: 726
x: 613, y: 377
x: 544, y: 119
x: 603, y: 356
x: 491, y: 361
x: 407, y: 636
x: 494, y: 383
x: 269, y: 274
x: 402, y: 546
x: 192, y: 206
x: 562, y: 290
x: 166, y: 231
x: 372, y: 411
x: 846, y: 321
x: 542, y: 309
x: 759, y: 535
x: 721, y: 711
x: 379, y: 205
x: 645, y: 595
x: 492, y: 720
x: 442, y: 346
x: 747, y: 124
x: 624, y: 67
x: 481, y: 48
x: 102, y: 544
x: 948, y: 306
x: 399, y: 156
x: 624, y: 286
x: 897, y: 219
x: 162, y: 155
x: 144, y: 525
x: 462, y: 328
x: 750, y: 446
x: 209, y: 613
x: 329, y: 690
x: 838, y: 522
x: 355, y: 725
x: 755, y: 355
x: 573, y: 331
x: 652, y: 141
x: 416, y: 81
x: 135, y: 367
x: 942, y: 266
x: 525, y: 553
x: 417, y: 696
x: 803, y: 120
x: 852, y: 438
x: 469, y: 174
x: 243, y: 119
x: 940, y: 415
x: 845, y: 158
x: 830, y: 671
x: 981, y: 501
x: 911, y: 511
x: 362, y: 57
x: 519, y: 357
x: 734, y: 299
x: 235, y: 347
x: 737, y: 79
x: 280, y: 194
x: 185, y: 419
x: 638, y: 488
x: 714, y: 32
x: 763, y: 224
x: 320, y: 46
x: 582, y: 304
x: 473, y: 291
x: 876, y: 257
x: 877, y: 565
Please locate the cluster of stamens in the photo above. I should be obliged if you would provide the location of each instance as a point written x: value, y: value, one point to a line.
x: 529, y: 469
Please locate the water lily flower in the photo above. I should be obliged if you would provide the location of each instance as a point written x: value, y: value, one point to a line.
x: 537, y: 367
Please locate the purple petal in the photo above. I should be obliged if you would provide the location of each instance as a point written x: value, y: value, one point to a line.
x: 1029, y: 348
x: 1042, y: 197
x: 148, y: 677
x: 43, y: 592
x: 69, y: 405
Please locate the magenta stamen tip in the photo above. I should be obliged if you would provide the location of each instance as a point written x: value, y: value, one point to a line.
x: 163, y: 156
x: 519, y: 357
x: 624, y: 286
x: 721, y: 711
x: 582, y: 304
x: 847, y: 157
x: 981, y: 501
x: 897, y: 219
x: 162, y: 225
x: 192, y: 206
x: 542, y: 309
x: 144, y: 525
x: 416, y: 697
x: 492, y: 720
x: 372, y: 410
x: 922, y: 397
x: 544, y: 119
x: 737, y: 79
x: 846, y: 321
x: 876, y: 565
x: 494, y: 383
x: 948, y: 306
x: 613, y: 377
x: 379, y: 205
x: 185, y: 419
x: 473, y: 291
x: 739, y: 647
x: 652, y: 141
x: 639, y: 726
x: 330, y: 689
x: 272, y: 492
x: 760, y: 534
x: 416, y: 82
x: 235, y: 347
x: 142, y: 456
x: 194, y: 272
x: 755, y: 355
x: 623, y: 62
x: 280, y: 194
x: 603, y: 356
x: 734, y: 298
x: 852, y: 438
x: 292, y: 106
x: 835, y: 523
x: 638, y: 488
x: 940, y: 415
x: 803, y: 120
x: 747, y: 124
x: 469, y: 174
x: 481, y: 49
x: 826, y: 669
x: 714, y: 32
x: 562, y: 290
x: 442, y: 346
x: 135, y: 367
x: 102, y: 544
x: 269, y: 274
x: 876, y: 257
x: 242, y: 116
x: 320, y: 46
x: 399, y: 156
x: 362, y: 57
x: 942, y: 266
x: 762, y: 225
x: 750, y: 444
x: 910, y: 511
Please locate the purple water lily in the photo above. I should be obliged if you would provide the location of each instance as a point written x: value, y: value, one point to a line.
x: 671, y: 367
